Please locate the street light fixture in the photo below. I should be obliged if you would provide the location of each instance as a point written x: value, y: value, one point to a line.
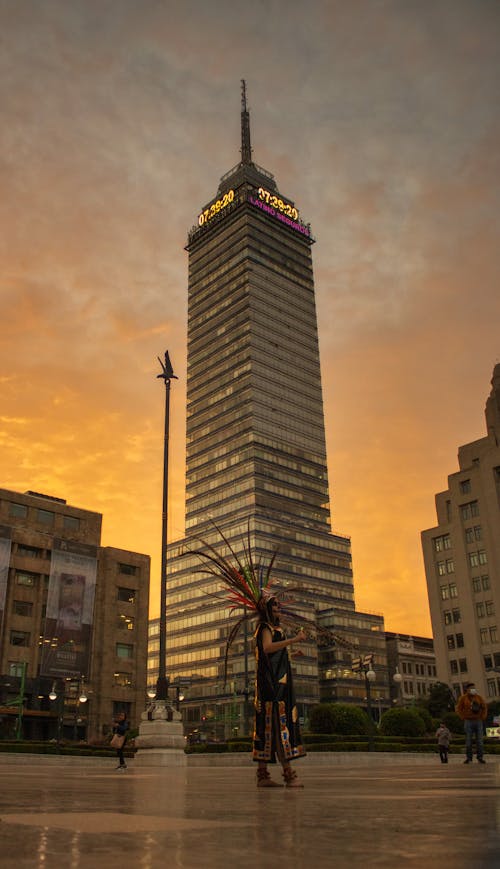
x: 53, y: 696
x: 364, y: 665
x: 397, y: 679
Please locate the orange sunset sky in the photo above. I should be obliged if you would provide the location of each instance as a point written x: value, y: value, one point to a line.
x: 379, y: 118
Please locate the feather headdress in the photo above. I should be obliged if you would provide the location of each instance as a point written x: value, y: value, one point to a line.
x: 251, y: 586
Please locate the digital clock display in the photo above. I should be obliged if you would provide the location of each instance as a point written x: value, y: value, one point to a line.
x: 280, y: 210
x: 277, y: 203
x: 215, y: 208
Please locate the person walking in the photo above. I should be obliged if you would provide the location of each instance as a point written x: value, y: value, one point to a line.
x: 443, y: 737
x: 277, y: 730
x: 472, y: 709
x: 120, y: 727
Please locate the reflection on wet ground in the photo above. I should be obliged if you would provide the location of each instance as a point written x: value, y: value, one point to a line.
x: 378, y: 814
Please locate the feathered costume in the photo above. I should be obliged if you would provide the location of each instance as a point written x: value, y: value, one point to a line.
x: 277, y: 731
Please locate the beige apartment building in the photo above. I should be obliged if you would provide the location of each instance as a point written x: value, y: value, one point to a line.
x: 73, y: 622
x: 462, y: 563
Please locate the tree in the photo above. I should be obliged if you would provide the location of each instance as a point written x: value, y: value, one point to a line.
x: 339, y: 718
x: 441, y: 700
x: 402, y: 722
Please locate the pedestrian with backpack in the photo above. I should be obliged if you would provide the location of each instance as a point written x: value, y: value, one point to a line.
x: 472, y: 709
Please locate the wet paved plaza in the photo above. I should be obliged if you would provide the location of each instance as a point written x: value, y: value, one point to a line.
x: 360, y: 812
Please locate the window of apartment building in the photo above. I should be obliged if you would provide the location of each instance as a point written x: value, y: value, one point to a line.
x: 491, y: 687
x: 127, y: 594
x: 19, y: 638
x: 22, y: 608
x: 15, y: 668
x: 125, y: 623
x: 477, y: 558
x: 473, y: 534
x: 453, y: 590
x: 442, y: 542
x: 485, y: 582
x: 460, y: 640
x: 484, y: 636
x: 454, y: 667
x: 476, y: 584
x: 480, y: 610
x: 444, y: 591
x: 465, y: 486
x: 490, y: 608
x: 408, y: 687
x: 45, y: 517
x: 441, y: 568
x: 72, y: 523
x: 25, y: 577
x: 493, y: 634
x: 123, y: 680
x: 29, y: 551
x: 447, y: 618
x: 407, y: 668
x: 450, y: 639
x: 450, y: 565
x: 124, y: 650
x: 467, y: 511
x: 128, y: 569
x: 462, y: 663
x: 457, y: 616
x: 431, y: 670
x: 18, y: 510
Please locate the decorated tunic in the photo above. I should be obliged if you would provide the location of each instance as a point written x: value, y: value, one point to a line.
x: 277, y: 730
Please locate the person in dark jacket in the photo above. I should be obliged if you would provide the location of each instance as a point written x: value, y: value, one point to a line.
x: 120, y: 727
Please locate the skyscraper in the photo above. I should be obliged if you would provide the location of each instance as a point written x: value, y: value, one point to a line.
x: 256, y: 456
x: 462, y: 563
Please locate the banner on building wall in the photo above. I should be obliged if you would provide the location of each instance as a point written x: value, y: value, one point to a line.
x: 69, y: 618
x: 5, y: 547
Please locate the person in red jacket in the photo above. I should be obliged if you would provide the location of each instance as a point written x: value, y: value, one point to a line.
x: 473, y: 711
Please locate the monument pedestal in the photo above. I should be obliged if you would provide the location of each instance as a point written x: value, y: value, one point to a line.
x: 161, y: 737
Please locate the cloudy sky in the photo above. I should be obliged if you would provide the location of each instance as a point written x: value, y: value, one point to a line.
x: 379, y: 118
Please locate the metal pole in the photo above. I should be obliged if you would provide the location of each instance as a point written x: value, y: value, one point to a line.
x: 369, y: 710
x: 162, y: 683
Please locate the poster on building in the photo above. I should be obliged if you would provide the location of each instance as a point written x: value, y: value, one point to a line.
x: 69, y: 618
x: 5, y: 546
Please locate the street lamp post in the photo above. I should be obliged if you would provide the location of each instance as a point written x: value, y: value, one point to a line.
x: 60, y: 697
x: 364, y: 665
x: 162, y: 683
x: 397, y: 679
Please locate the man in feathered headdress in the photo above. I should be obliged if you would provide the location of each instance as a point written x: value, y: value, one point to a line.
x: 277, y: 730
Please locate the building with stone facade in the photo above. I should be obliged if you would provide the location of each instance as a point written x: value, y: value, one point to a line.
x: 462, y: 563
x: 414, y: 660
x: 256, y: 454
x: 73, y: 621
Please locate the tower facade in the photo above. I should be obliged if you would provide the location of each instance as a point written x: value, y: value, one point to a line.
x: 462, y: 563
x: 256, y: 455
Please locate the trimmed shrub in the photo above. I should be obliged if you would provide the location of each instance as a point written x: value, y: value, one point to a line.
x: 402, y: 722
x: 453, y: 722
x: 426, y: 717
x: 338, y: 718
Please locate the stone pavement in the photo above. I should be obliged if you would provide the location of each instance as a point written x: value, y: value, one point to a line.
x: 371, y: 811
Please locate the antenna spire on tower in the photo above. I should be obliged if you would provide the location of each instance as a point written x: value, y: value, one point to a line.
x: 246, y: 149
